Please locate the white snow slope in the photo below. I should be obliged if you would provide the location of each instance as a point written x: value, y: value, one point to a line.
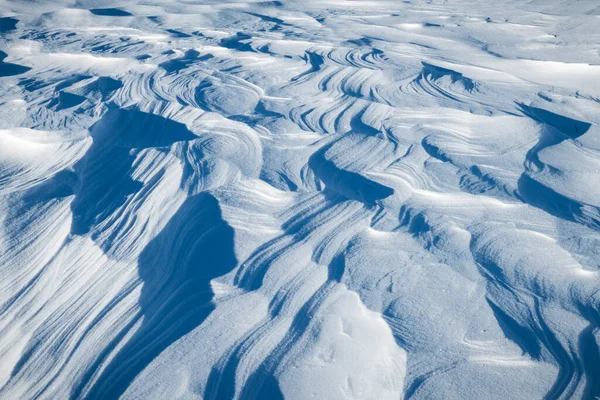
x: 329, y: 199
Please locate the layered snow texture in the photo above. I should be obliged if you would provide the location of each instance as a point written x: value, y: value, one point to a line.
x: 325, y: 199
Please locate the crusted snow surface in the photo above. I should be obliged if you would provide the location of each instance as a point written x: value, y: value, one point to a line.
x: 330, y: 199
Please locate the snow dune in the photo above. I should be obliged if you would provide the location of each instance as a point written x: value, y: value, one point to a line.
x: 299, y: 199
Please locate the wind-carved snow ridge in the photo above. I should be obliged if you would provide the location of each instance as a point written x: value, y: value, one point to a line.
x: 299, y: 199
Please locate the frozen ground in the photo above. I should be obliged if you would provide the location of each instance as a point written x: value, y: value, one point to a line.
x: 327, y: 199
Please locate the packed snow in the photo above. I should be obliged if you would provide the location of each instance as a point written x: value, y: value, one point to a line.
x: 329, y: 199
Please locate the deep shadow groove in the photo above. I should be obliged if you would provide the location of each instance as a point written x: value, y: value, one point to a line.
x: 9, y: 69
x: 571, y: 127
x: 540, y: 196
x: 357, y: 125
x: 8, y: 24
x: 348, y: 184
x: 434, y: 73
x: 513, y: 330
x: 568, y: 373
x: 557, y: 128
x: 65, y: 100
x: 174, y: 66
x: 176, y: 269
x: 315, y: 60
x: 590, y: 358
x: 104, y: 172
x: 235, y: 42
x: 110, y: 12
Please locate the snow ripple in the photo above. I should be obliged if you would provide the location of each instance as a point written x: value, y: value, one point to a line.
x: 342, y: 200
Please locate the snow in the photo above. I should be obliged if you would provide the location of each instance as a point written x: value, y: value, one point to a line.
x: 299, y: 199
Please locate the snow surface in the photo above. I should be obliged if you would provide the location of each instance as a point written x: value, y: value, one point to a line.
x: 330, y: 199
